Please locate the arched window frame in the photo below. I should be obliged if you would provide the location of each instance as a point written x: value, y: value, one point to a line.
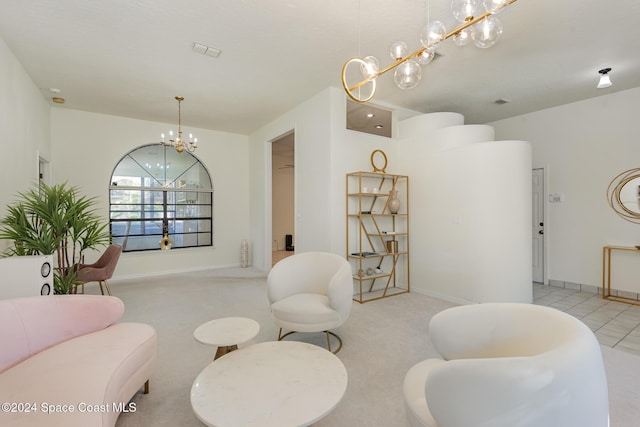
x: 155, y: 191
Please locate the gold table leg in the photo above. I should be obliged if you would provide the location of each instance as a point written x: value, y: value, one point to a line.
x: 224, y: 349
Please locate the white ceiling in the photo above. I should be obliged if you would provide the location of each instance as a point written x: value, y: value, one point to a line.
x: 131, y: 57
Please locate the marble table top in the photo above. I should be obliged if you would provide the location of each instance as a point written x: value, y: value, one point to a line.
x: 227, y: 331
x: 279, y: 384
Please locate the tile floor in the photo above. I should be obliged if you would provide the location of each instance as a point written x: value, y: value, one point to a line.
x: 615, y: 324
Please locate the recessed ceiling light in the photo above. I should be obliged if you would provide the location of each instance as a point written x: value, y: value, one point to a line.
x: 379, y: 126
x: 370, y: 115
x: 58, y: 100
x: 54, y: 90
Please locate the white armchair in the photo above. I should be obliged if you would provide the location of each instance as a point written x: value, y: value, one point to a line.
x: 509, y: 365
x: 311, y: 292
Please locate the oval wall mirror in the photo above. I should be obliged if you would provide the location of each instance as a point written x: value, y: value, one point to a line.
x: 623, y: 195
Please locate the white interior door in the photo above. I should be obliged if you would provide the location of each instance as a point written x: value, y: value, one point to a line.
x: 537, y: 226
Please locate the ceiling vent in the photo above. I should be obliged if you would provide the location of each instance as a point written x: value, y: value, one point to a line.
x: 206, y: 50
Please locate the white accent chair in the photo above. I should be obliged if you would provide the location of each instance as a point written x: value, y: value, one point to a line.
x: 508, y: 365
x: 311, y: 292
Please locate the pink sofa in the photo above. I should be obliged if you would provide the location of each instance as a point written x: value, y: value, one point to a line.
x: 66, y: 361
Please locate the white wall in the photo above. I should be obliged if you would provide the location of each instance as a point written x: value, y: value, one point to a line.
x: 87, y: 146
x: 582, y: 146
x: 310, y: 122
x: 24, y: 122
x: 325, y: 152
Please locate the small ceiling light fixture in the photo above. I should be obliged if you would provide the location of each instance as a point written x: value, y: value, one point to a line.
x: 55, y: 98
x: 605, y: 81
x: 483, y: 28
x: 179, y: 143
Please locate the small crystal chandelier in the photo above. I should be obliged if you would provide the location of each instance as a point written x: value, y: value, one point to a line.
x: 179, y: 143
x: 483, y: 29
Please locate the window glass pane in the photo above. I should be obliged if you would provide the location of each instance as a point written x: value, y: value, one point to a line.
x: 136, y: 228
x: 192, y: 211
x: 204, y: 239
x: 181, y: 200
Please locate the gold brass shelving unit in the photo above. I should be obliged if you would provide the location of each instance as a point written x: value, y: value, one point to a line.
x: 377, y: 239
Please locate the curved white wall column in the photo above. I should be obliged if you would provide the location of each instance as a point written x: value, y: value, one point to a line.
x: 477, y: 231
x: 470, y: 213
x: 457, y: 136
x: 419, y: 126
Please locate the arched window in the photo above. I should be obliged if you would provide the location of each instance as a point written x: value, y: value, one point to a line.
x: 155, y: 190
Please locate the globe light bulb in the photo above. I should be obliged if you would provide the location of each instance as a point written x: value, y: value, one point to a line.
x: 426, y: 56
x: 432, y: 33
x: 398, y: 50
x: 487, y: 32
x: 494, y: 6
x: 462, y: 9
x: 462, y: 38
x: 370, y: 67
x: 408, y: 75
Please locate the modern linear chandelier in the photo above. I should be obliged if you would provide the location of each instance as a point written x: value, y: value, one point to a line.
x: 484, y: 29
x: 179, y: 143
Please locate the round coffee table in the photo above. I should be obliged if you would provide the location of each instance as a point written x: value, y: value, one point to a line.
x: 227, y: 333
x: 279, y: 384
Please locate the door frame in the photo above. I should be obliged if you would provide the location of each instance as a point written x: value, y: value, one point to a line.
x: 542, y: 173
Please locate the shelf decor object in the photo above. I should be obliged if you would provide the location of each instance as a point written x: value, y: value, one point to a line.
x: 477, y: 22
x: 377, y: 243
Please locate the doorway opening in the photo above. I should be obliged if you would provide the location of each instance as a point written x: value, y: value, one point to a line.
x: 282, y: 197
x: 44, y: 175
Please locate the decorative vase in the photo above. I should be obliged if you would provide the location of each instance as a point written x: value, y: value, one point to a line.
x: 393, y: 203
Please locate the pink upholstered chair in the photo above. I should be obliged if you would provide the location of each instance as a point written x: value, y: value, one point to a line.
x: 101, y: 270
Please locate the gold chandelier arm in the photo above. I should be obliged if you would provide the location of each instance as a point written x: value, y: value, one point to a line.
x: 350, y: 90
x: 450, y: 34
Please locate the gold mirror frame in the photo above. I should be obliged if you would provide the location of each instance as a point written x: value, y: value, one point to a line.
x: 614, y: 191
x: 373, y: 161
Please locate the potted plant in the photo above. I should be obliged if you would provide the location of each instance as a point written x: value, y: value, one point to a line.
x: 54, y: 220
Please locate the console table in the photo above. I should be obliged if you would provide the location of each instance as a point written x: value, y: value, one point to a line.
x: 606, y: 274
x: 275, y: 383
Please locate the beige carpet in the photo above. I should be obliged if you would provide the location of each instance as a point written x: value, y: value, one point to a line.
x: 382, y: 340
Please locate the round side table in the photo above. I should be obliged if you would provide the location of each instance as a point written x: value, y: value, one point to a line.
x: 227, y: 333
x: 270, y: 384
